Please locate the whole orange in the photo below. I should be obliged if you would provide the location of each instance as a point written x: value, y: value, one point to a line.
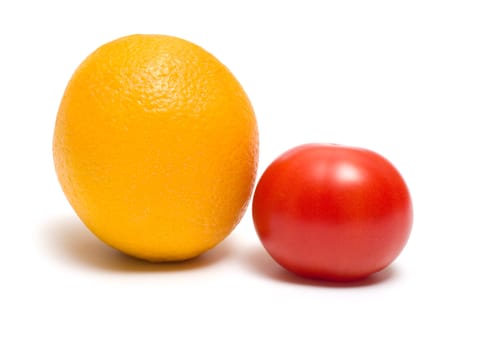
x: 156, y: 147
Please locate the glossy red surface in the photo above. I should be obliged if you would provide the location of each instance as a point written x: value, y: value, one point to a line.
x: 332, y: 212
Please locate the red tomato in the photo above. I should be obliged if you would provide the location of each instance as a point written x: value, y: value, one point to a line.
x: 332, y: 212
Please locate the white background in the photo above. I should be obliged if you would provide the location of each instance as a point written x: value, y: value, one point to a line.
x: 398, y: 77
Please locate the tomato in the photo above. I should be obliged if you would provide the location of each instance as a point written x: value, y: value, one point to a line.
x: 332, y: 212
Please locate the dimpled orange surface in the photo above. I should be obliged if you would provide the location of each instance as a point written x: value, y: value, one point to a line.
x: 156, y: 147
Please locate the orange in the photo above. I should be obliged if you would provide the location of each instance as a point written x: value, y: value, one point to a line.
x: 156, y: 147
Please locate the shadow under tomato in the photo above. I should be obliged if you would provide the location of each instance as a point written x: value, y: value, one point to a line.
x: 70, y: 241
x: 259, y: 261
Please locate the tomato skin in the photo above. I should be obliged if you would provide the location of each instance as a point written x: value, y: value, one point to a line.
x: 332, y: 212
